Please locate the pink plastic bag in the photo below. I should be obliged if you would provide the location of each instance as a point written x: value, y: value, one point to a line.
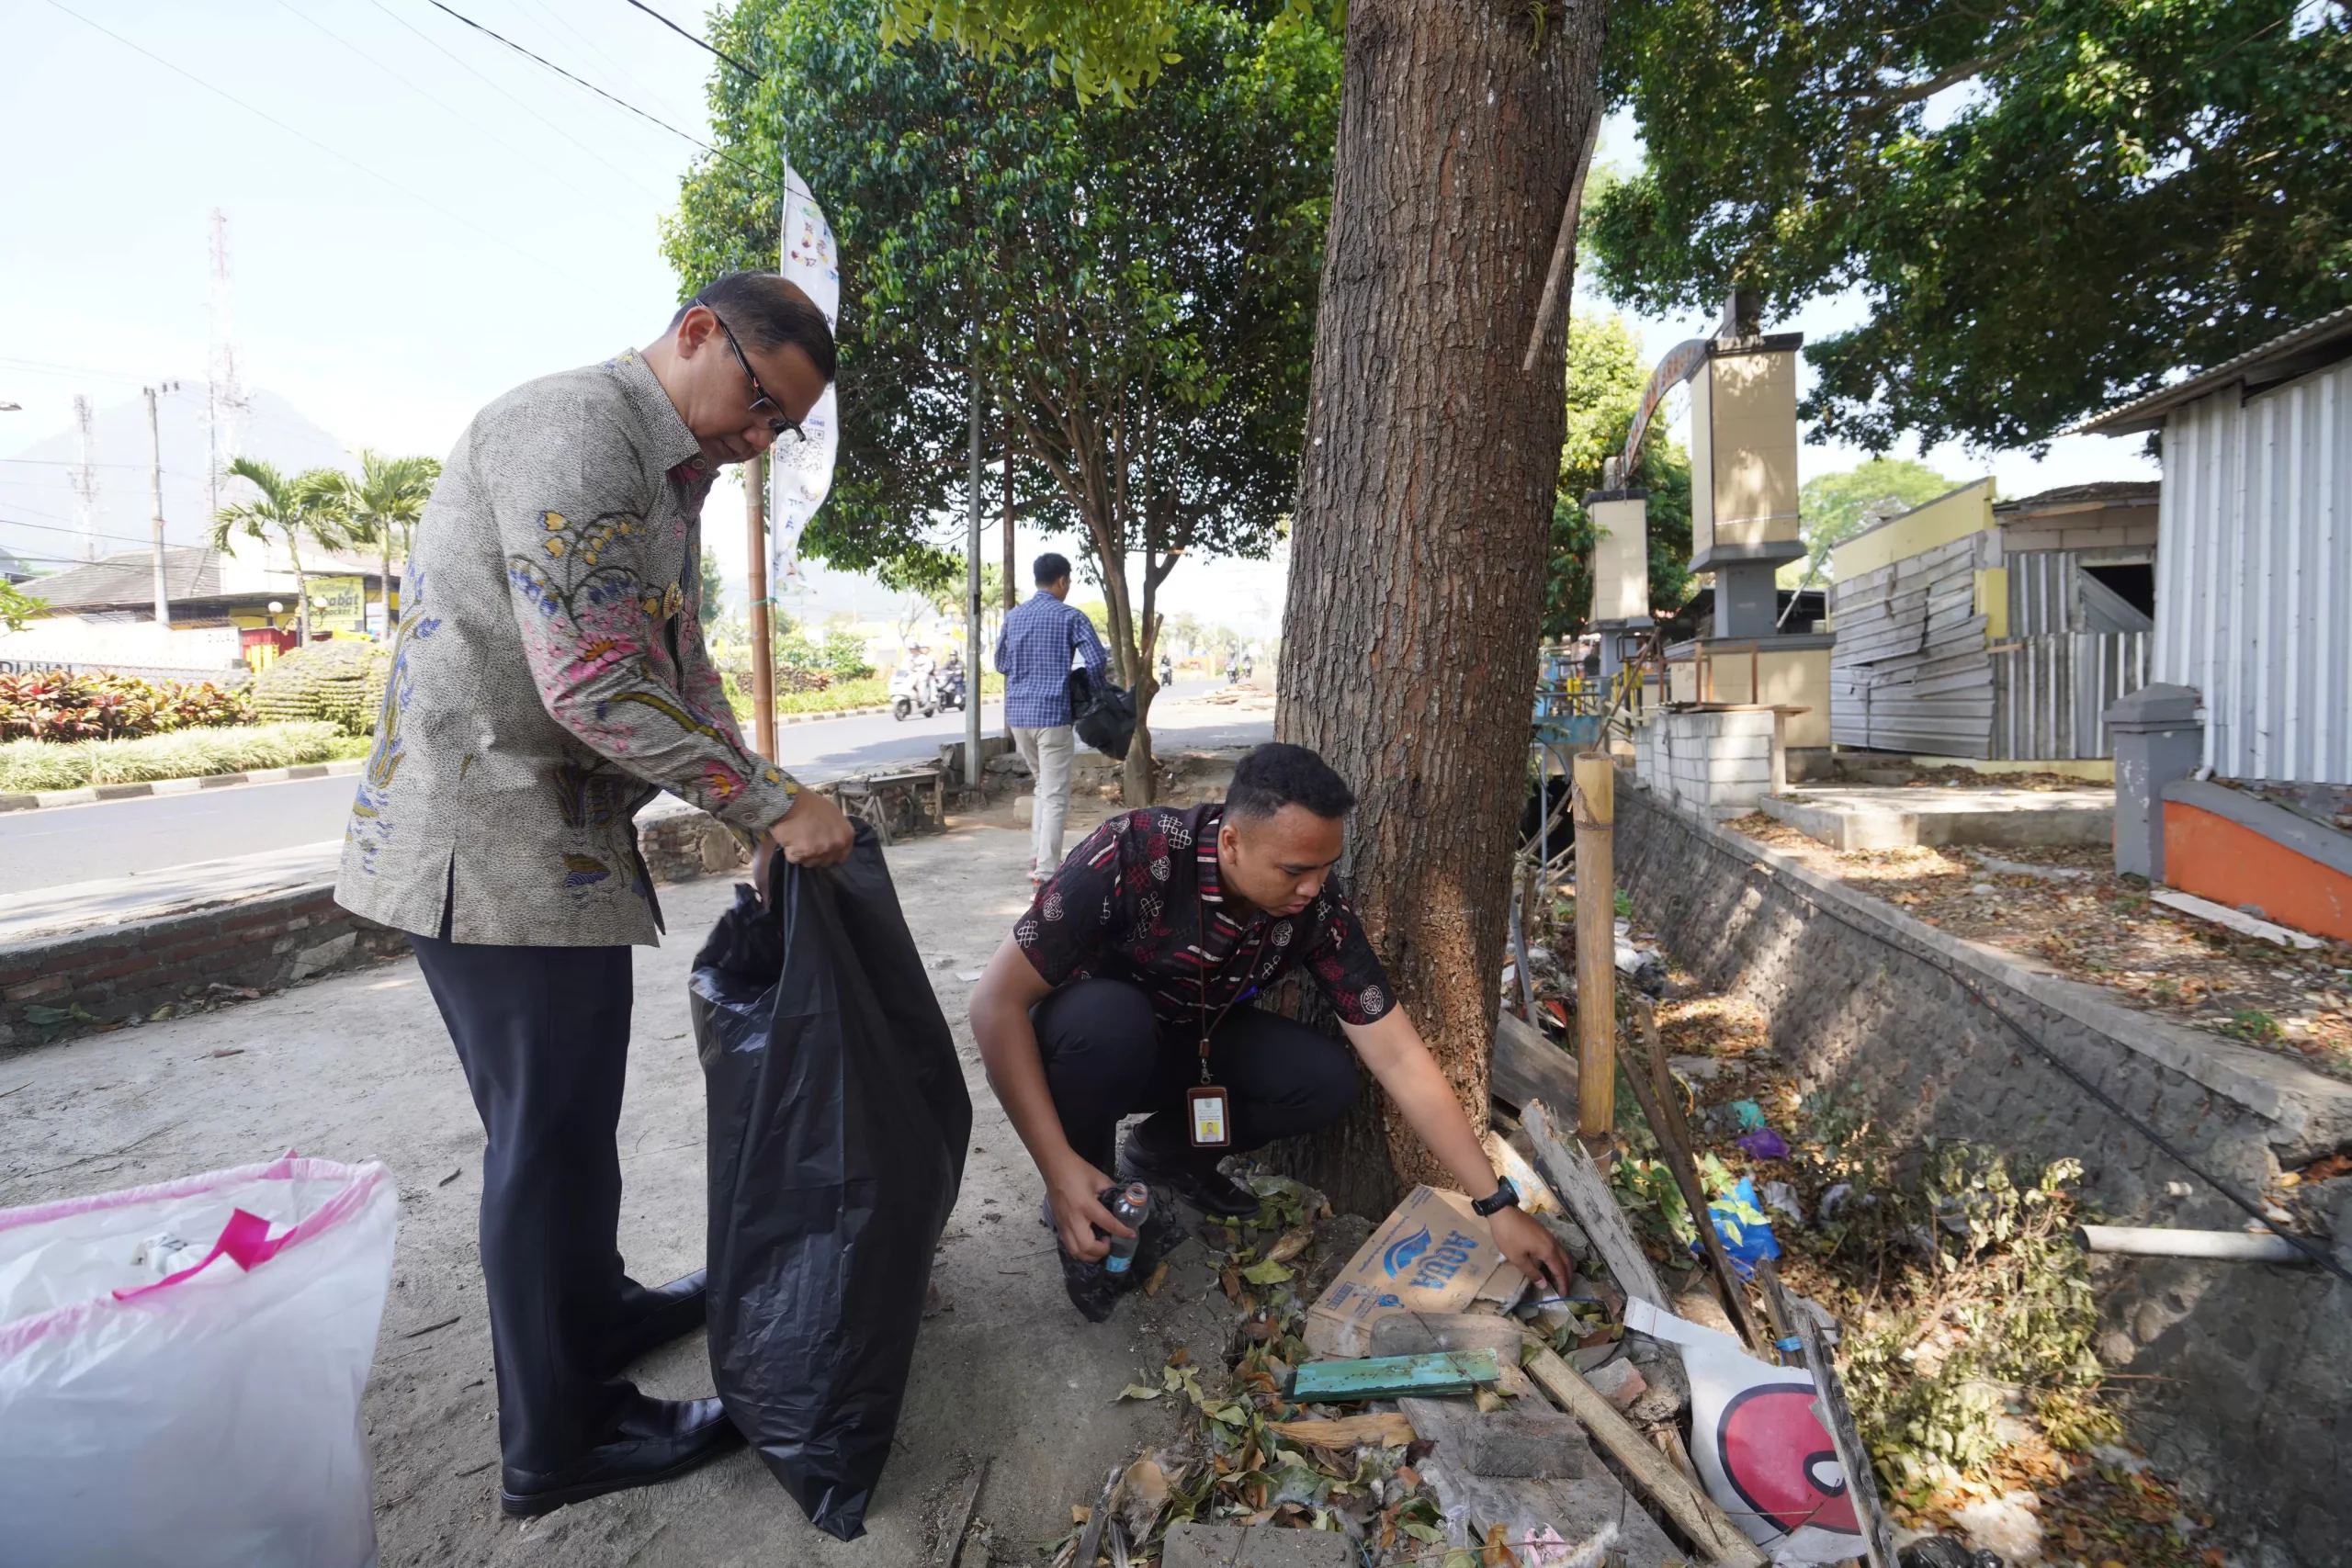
x: 181, y: 1368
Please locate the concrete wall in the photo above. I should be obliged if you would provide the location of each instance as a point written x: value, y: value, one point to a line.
x: 1718, y: 764
x: 2240, y: 1374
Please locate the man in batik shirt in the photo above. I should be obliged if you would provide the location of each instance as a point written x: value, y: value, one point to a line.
x: 1156, y: 935
x: 549, y: 677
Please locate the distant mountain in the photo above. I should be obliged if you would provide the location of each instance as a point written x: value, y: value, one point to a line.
x: 37, y: 499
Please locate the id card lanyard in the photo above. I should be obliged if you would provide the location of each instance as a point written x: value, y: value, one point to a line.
x: 1207, y: 1113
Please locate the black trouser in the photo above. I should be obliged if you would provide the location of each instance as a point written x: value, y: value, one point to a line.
x: 543, y: 1032
x: 1107, y: 1058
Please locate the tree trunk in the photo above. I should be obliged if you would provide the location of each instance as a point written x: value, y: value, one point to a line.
x: 384, y: 583
x: 301, y: 595
x: 1424, y: 498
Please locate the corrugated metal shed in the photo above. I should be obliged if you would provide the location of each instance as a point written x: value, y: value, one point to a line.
x: 2253, y: 589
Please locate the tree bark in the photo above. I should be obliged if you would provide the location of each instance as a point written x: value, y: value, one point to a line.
x: 1425, y: 494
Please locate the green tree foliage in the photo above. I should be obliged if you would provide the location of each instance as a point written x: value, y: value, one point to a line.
x: 1141, y: 280
x: 380, y: 507
x: 2124, y: 186
x: 1605, y: 379
x: 1833, y: 508
x: 18, y: 608
x: 307, y: 509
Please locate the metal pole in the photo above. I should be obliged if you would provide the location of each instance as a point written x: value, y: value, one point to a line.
x: 155, y: 491
x: 972, y: 595
x: 755, y: 524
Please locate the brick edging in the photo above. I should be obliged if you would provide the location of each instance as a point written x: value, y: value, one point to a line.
x: 90, y: 795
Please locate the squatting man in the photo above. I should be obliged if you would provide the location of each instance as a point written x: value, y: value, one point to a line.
x: 1128, y: 988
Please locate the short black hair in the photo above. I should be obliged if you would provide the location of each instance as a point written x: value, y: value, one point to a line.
x: 1051, y: 568
x: 1276, y: 774
x: 767, y: 311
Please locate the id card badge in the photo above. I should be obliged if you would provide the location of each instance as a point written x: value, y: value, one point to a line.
x: 1210, y: 1128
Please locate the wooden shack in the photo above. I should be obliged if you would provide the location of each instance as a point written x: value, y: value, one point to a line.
x: 1977, y: 629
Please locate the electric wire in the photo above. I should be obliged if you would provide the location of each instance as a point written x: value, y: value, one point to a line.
x: 584, y: 81
x: 2034, y: 1043
x: 597, y: 203
x: 613, y: 69
x: 697, y: 42
x: 502, y: 90
x: 416, y: 196
x: 69, y: 529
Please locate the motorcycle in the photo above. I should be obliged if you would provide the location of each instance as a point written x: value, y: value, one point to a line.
x: 912, y: 690
x: 950, y: 688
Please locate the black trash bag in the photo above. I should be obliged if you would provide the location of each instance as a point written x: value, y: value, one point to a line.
x: 838, y: 1125
x: 1103, y: 714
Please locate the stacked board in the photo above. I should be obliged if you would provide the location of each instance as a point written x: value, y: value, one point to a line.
x: 1910, y: 670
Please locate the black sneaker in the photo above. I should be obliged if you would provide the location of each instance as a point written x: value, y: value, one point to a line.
x: 1189, y: 1173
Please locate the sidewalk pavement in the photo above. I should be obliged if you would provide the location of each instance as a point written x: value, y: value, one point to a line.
x: 357, y: 1067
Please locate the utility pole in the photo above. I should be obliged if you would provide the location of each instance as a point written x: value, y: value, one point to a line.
x: 755, y: 527
x: 85, y: 483
x: 972, y: 591
x: 155, y: 493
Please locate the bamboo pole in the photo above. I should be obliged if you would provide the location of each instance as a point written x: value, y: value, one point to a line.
x: 756, y: 526
x: 1596, y: 811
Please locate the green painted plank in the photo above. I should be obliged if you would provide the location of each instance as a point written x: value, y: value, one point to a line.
x: 1387, y: 1377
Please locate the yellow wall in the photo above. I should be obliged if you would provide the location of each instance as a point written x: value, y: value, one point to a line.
x: 1993, y: 601
x: 1621, y: 560
x: 1963, y: 512
x: 1753, y: 446
x: 1793, y: 677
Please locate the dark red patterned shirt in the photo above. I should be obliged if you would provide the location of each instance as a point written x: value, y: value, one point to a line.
x: 1127, y: 903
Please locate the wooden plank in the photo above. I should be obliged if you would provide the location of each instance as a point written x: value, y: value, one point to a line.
x: 1692, y: 1511
x: 1382, y: 1428
x: 954, y: 1544
x: 1386, y: 1377
x: 1862, y: 1481
x: 1527, y: 1066
x: 1594, y: 1206
x: 1535, y: 1194
x: 1654, y: 1091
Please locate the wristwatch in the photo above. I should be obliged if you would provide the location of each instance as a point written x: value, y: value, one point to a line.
x: 1505, y: 1197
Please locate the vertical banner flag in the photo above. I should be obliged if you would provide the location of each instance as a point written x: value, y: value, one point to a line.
x: 803, y: 469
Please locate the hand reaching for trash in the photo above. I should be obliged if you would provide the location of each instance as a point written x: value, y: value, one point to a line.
x: 1531, y: 1250
x: 814, y: 832
x: 1075, y: 1193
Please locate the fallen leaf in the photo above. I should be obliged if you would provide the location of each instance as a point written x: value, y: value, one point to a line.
x: 1183, y: 1353
x: 1232, y: 1283
x: 1080, y: 1513
x: 1159, y: 1278
x: 1496, y: 1554
x: 1270, y: 1272
x: 1291, y: 1243
x: 1136, y: 1390
x: 1409, y: 1475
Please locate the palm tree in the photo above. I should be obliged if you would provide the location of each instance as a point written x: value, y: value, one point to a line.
x: 307, y: 507
x: 383, y: 505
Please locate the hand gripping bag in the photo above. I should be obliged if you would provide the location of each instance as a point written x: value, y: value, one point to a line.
x: 181, y: 1368
x: 838, y: 1124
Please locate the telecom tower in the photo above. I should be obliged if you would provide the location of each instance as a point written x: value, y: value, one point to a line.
x: 224, y: 398
x: 85, y: 483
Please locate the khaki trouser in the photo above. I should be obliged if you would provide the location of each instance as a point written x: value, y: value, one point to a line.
x: 1048, y: 751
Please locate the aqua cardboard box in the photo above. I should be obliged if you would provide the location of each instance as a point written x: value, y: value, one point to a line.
x: 1431, y: 1254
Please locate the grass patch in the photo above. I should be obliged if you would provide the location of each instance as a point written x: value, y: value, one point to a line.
x: 29, y: 765
x: 867, y: 692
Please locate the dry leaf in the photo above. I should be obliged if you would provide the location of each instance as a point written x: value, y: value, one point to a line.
x: 1489, y: 1400
x: 1146, y: 1494
x: 1496, y: 1554
x: 1232, y: 1283
x: 1159, y: 1278
x: 1080, y: 1513
x: 1183, y: 1353
x: 1291, y: 1243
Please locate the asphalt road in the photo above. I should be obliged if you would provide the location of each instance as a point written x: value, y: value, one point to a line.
x: 121, y: 838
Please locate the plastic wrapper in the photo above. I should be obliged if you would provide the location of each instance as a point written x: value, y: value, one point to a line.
x: 181, y: 1369
x: 838, y: 1126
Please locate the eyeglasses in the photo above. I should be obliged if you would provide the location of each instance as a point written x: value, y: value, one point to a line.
x: 779, y: 422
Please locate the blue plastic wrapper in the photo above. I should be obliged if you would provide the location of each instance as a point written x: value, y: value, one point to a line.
x: 1746, y: 1233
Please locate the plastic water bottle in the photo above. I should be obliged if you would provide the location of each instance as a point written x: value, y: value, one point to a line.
x: 1129, y: 1207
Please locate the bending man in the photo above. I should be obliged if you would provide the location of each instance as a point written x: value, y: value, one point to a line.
x: 1128, y: 986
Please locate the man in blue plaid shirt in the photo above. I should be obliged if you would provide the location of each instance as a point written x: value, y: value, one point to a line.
x: 1033, y: 653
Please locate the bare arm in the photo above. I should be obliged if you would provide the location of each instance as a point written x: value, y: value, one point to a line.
x: 1009, y: 988
x: 1394, y: 1050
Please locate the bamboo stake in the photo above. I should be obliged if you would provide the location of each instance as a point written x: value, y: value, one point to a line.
x: 1709, y: 1528
x: 1596, y: 811
x: 1653, y: 1092
x: 756, y: 526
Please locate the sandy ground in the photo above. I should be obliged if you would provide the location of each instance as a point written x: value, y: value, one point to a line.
x: 358, y: 1068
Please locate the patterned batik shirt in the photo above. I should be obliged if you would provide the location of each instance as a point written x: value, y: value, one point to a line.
x: 1127, y: 904
x: 1033, y: 654
x: 548, y: 677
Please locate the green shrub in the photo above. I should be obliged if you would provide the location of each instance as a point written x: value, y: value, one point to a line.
x: 57, y: 705
x: 340, y: 681
x: 29, y: 765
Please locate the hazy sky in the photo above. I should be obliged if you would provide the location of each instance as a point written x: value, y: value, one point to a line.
x: 422, y: 220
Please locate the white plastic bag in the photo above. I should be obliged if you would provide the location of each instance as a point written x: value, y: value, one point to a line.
x: 181, y: 1367
x: 1762, y: 1451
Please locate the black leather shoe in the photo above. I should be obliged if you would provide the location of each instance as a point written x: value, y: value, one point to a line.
x: 1190, y: 1173
x: 651, y: 1318
x: 659, y: 1439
